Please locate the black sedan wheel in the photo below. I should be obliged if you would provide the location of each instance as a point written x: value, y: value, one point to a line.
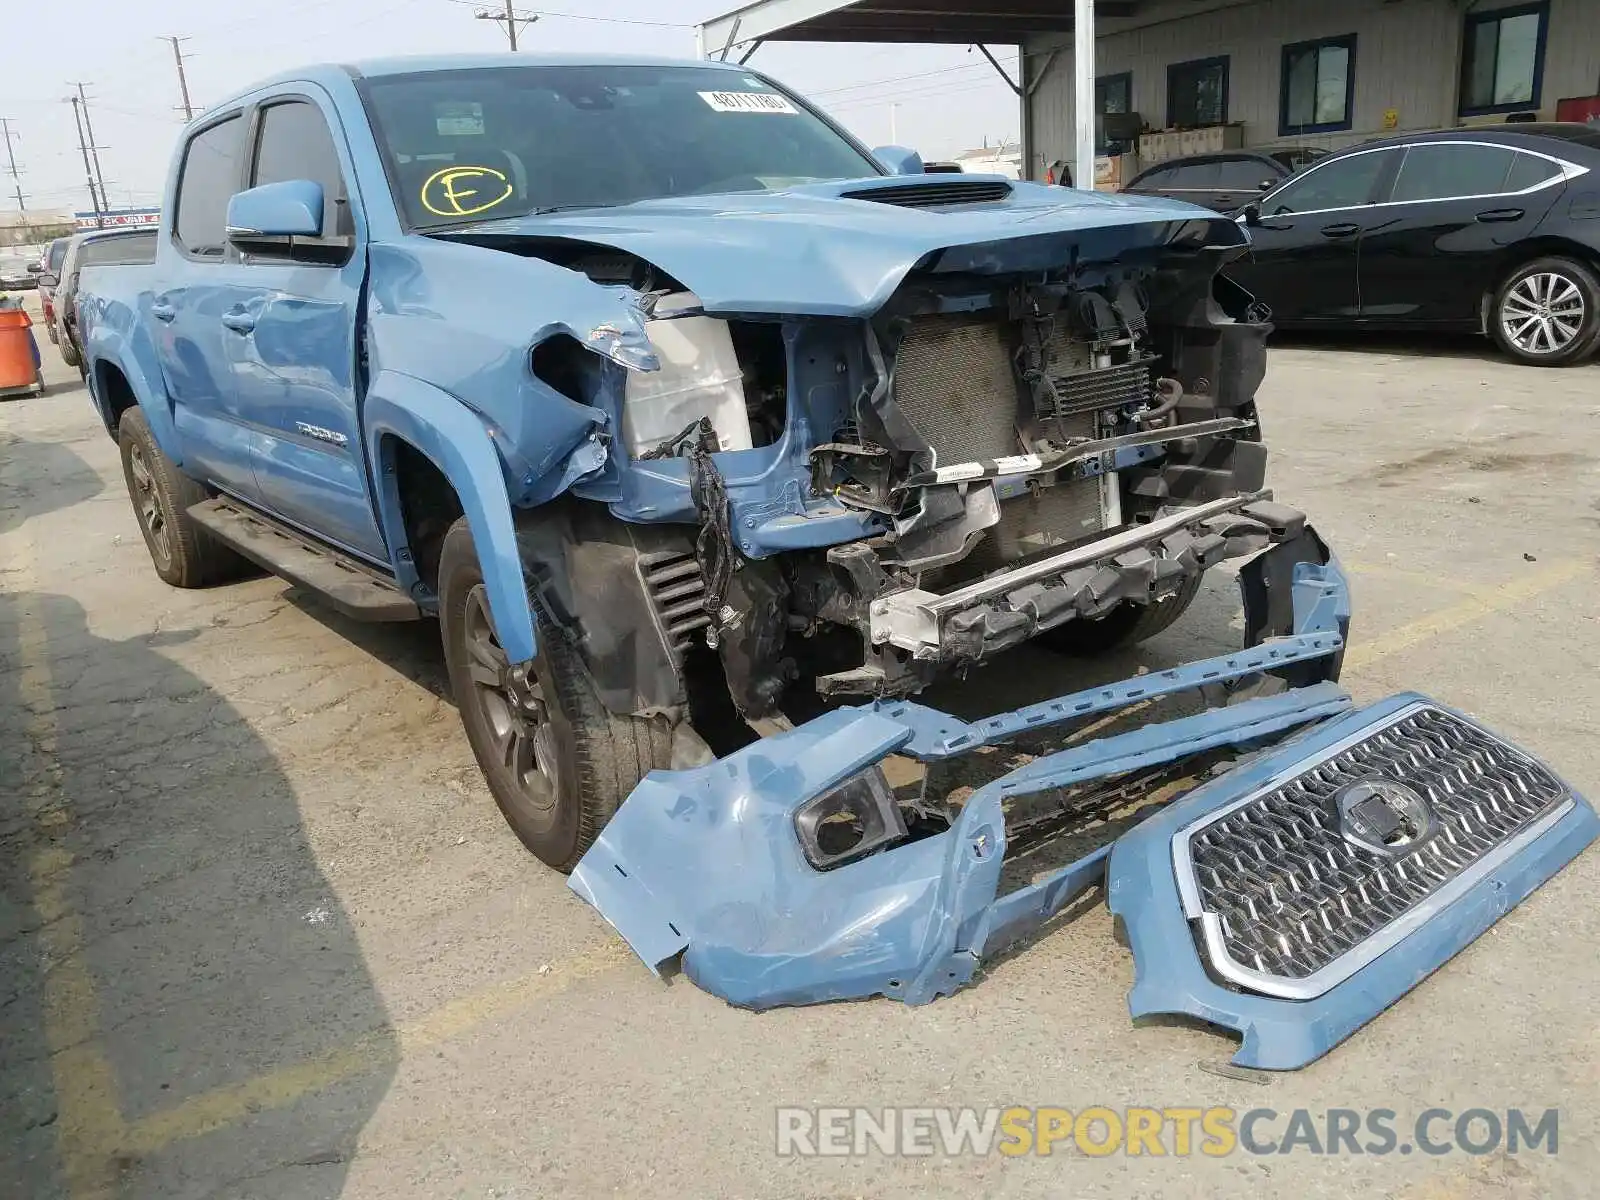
x: 1547, y: 313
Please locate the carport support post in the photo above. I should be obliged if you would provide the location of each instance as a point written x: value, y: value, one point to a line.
x: 1083, y: 66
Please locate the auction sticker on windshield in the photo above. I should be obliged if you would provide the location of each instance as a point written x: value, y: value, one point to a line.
x: 756, y: 102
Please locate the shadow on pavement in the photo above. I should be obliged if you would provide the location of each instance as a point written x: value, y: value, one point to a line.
x: 57, y: 477
x: 180, y: 885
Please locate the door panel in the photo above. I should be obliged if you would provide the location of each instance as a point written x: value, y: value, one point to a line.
x: 1305, y: 249
x: 291, y: 333
x: 1443, y: 238
x: 185, y: 318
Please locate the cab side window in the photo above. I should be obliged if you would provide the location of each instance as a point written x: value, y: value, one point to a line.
x: 295, y: 143
x: 1445, y: 172
x: 1343, y: 183
x: 207, y: 181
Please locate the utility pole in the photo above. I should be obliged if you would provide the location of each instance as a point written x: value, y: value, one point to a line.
x: 94, y: 150
x: 88, y: 171
x: 183, y: 80
x: 16, y: 176
x: 509, y: 19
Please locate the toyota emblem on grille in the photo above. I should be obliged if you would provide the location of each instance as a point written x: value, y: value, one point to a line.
x: 1384, y: 816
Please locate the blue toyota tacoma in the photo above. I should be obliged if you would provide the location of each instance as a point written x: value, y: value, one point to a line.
x: 710, y: 438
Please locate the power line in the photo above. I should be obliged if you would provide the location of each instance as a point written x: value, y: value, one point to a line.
x: 16, y: 177
x: 183, y: 80
x: 88, y: 172
x: 851, y: 87
x: 92, y: 147
x: 508, y: 20
x: 570, y: 16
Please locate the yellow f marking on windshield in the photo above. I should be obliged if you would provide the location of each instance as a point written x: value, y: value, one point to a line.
x: 445, y: 193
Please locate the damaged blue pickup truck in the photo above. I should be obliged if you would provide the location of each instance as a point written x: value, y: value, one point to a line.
x: 711, y: 439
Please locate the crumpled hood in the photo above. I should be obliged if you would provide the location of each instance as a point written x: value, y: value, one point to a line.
x: 810, y: 251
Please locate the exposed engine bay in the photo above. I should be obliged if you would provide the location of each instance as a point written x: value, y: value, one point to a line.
x: 993, y: 454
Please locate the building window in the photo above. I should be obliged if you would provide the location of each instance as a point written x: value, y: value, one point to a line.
x: 1502, y: 59
x: 1318, y: 86
x: 1197, y: 93
x: 1114, y: 93
x: 1113, y: 96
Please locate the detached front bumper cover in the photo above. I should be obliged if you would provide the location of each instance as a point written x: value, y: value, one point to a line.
x: 707, y: 864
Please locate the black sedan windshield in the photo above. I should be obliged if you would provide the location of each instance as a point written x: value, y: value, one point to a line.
x: 483, y: 143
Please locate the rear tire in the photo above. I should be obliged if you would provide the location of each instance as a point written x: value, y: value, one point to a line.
x: 1547, y: 313
x: 1125, y: 625
x: 558, y: 774
x: 184, y: 552
x: 69, y: 352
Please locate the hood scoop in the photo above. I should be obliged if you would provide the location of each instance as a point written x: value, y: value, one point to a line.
x: 944, y: 193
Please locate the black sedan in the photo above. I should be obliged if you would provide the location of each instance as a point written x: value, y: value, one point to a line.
x: 1225, y: 181
x: 1490, y: 230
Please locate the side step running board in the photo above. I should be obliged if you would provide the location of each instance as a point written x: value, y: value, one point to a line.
x: 354, y: 589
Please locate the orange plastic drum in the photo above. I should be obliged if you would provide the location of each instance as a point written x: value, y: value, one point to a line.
x: 19, y: 367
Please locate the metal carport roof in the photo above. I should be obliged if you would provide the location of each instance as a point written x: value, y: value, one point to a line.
x: 1009, y: 22
x: 953, y: 21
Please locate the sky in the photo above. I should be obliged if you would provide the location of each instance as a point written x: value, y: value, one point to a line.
x: 936, y: 99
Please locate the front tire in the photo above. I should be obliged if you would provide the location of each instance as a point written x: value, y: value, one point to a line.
x: 556, y: 761
x: 184, y: 552
x: 1547, y: 313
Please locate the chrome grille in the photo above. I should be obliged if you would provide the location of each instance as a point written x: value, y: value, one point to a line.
x: 677, y: 592
x: 1289, y: 905
x: 954, y: 381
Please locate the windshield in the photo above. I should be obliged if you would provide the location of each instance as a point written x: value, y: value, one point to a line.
x: 478, y: 144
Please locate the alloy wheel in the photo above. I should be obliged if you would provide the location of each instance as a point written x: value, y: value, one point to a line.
x: 520, y: 732
x: 147, y: 502
x: 1543, y: 313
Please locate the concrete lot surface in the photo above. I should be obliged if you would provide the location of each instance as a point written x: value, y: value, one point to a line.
x: 264, y: 934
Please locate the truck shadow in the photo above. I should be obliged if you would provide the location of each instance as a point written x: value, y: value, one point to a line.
x: 57, y: 478
x: 173, y: 961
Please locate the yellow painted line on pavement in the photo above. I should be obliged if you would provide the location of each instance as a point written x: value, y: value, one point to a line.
x: 88, y: 1118
x: 1480, y: 606
x: 230, y: 1104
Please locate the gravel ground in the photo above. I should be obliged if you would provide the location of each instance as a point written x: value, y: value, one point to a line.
x: 263, y: 933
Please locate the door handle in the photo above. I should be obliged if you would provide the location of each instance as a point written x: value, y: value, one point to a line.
x: 162, y: 311
x: 239, y: 322
x: 1496, y: 215
x: 1342, y: 230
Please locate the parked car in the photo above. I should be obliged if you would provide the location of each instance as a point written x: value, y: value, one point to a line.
x: 638, y: 373
x: 1225, y: 181
x: 18, y: 272
x: 102, y: 247
x: 1493, y: 230
x: 50, y: 265
x: 327, y: 369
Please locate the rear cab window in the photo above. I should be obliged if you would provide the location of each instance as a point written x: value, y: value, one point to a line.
x: 207, y: 180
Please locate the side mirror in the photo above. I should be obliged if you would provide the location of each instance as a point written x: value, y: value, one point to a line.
x: 899, y: 160
x: 1252, y: 214
x: 266, y: 217
x: 46, y: 279
x: 1267, y: 185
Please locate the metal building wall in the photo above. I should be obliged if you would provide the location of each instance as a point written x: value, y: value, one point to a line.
x: 1407, y: 56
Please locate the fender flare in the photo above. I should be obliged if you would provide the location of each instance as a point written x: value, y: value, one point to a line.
x: 453, y: 438
x: 110, y: 348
